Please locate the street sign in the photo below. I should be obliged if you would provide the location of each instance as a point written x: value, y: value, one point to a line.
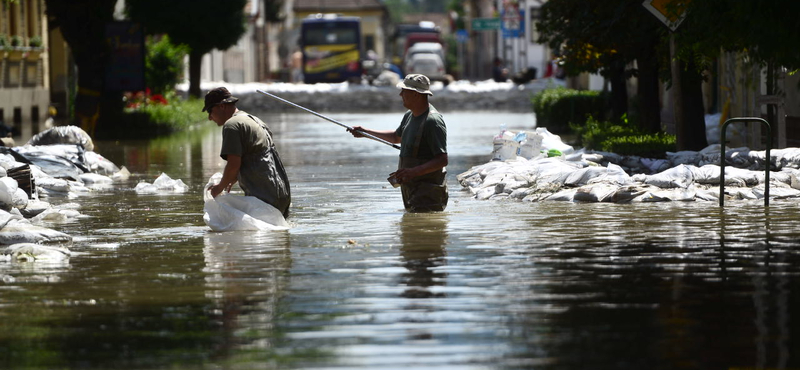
x: 485, y: 24
x: 659, y: 8
x: 514, y: 27
x: 513, y: 20
x: 462, y: 36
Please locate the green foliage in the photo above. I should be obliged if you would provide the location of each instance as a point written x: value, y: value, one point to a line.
x: 592, y: 134
x: 645, y: 145
x: 705, y: 33
x: 4, y: 42
x: 397, y: 10
x: 203, y: 25
x: 16, y: 41
x: 164, y: 64
x: 177, y: 115
x: 452, y: 66
x: 35, y: 41
x: 557, y: 108
x: 623, y: 138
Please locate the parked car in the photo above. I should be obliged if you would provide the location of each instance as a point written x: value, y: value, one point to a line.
x: 428, y: 64
x: 425, y: 47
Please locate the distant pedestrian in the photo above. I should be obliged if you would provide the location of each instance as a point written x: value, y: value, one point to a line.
x: 297, y: 66
x: 499, y: 71
x: 249, y: 149
x: 422, y: 133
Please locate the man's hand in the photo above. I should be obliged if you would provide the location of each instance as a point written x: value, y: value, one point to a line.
x: 356, y: 131
x: 217, y: 189
x: 405, y: 174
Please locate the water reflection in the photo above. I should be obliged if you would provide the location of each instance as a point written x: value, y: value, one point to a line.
x: 423, y: 237
x: 245, y: 278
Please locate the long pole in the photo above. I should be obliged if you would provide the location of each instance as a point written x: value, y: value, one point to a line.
x: 329, y: 119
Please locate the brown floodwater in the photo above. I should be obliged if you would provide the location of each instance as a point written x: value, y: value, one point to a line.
x: 359, y: 284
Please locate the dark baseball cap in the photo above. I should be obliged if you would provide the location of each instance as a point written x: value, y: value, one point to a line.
x: 218, y: 96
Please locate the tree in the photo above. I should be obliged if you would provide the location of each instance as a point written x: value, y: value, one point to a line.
x: 606, y: 37
x: 202, y: 25
x: 82, y: 23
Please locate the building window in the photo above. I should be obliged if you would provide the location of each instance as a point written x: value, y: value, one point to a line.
x: 35, y: 119
x: 17, y: 128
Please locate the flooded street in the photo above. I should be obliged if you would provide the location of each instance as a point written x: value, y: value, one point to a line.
x: 359, y: 284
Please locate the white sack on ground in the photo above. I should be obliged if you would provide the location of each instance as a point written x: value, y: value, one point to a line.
x: 229, y: 212
x: 163, y: 184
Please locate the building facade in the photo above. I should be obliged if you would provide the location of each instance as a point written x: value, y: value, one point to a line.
x: 24, y: 82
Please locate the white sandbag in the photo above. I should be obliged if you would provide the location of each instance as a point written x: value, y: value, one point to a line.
x: 162, y: 184
x: 95, y: 179
x: 121, y: 175
x: 49, y: 185
x: 612, y: 174
x: 8, y: 188
x: 20, y: 199
x: 99, y: 164
x: 595, y: 193
x: 22, y: 231
x: 551, y: 141
x: 63, y: 135
x: 776, y: 192
x: 684, y: 157
x: 532, y: 146
x: 554, y: 170
x: 566, y: 195
x: 582, y: 176
x: 676, y: 177
x: 229, y: 212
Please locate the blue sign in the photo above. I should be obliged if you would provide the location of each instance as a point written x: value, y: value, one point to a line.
x: 462, y: 36
x: 513, y: 24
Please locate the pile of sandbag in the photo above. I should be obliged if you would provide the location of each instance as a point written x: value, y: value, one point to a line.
x: 607, y: 177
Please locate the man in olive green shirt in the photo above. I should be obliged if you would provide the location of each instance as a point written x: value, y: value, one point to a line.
x: 423, y: 154
x: 250, y: 152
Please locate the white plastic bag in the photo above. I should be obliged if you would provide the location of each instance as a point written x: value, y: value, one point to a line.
x: 229, y: 212
x: 162, y: 184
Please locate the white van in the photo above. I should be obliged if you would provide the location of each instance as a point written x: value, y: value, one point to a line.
x: 426, y: 58
x: 424, y: 47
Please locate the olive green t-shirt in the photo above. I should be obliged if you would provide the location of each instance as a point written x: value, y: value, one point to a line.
x: 242, y: 135
x: 434, y: 136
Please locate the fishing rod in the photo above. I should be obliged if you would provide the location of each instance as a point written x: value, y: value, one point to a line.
x: 330, y: 119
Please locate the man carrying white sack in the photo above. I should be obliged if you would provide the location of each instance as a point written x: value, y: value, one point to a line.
x: 250, y: 152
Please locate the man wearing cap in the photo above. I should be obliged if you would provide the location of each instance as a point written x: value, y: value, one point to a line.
x: 250, y: 152
x: 422, y: 135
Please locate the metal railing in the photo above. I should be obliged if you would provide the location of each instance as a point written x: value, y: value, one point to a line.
x: 722, y: 157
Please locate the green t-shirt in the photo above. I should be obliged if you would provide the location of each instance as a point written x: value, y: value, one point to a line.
x: 242, y: 135
x: 434, y: 136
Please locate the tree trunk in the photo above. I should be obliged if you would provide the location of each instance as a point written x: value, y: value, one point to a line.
x: 619, y: 91
x: 693, y: 109
x: 82, y: 23
x: 195, y: 62
x: 649, y: 105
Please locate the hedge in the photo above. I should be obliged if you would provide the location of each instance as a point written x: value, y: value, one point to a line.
x: 556, y: 108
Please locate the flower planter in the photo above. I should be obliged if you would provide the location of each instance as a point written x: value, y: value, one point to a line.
x: 33, y: 55
x: 15, y: 55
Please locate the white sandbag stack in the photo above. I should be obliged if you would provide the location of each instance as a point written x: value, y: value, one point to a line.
x: 608, y: 177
